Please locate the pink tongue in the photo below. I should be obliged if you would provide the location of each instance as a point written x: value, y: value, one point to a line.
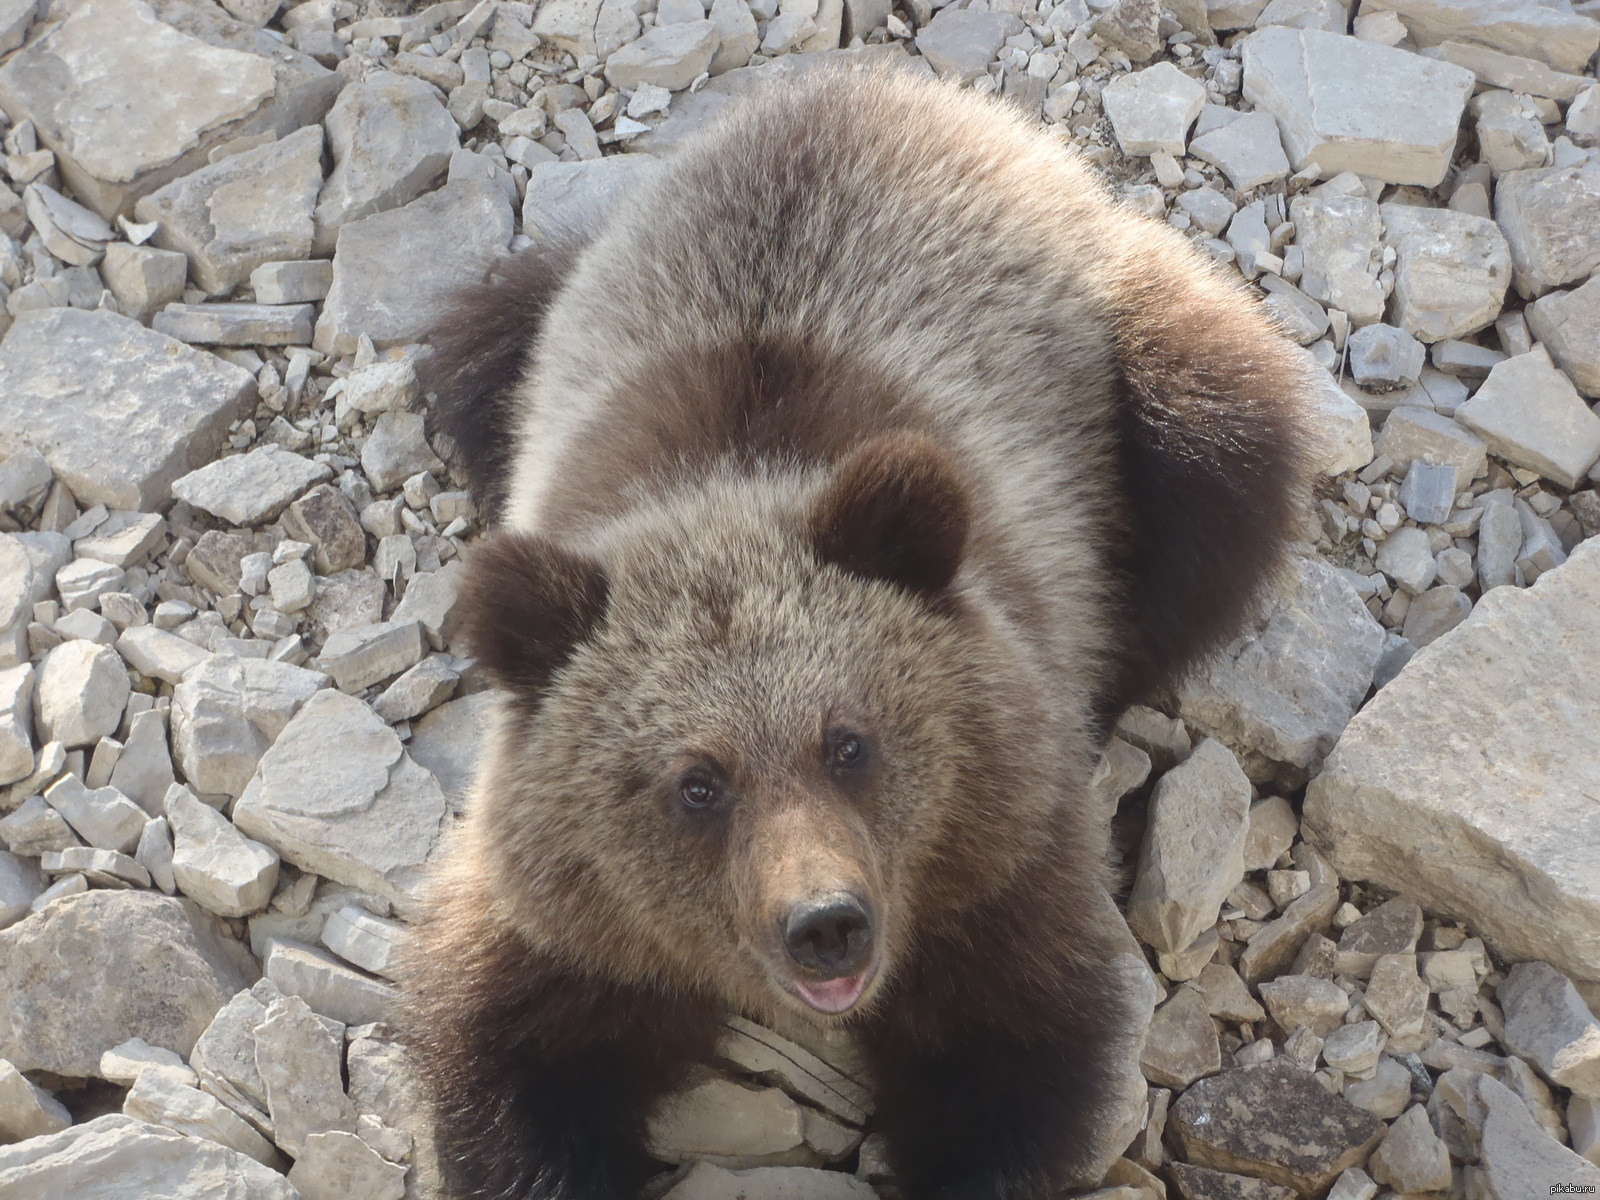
x: 835, y: 995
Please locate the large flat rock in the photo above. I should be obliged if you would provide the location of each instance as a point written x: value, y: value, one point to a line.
x: 392, y: 270
x: 1349, y: 105
x: 119, y: 411
x: 93, y: 970
x: 1468, y: 782
x: 131, y: 95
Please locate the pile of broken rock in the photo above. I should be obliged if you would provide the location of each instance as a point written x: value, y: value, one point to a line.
x: 229, y: 545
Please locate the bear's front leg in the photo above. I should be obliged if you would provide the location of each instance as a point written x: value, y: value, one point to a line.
x: 543, y: 1078
x: 1000, y: 1055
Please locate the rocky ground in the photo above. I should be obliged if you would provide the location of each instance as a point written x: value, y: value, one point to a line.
x: 1361, y: 847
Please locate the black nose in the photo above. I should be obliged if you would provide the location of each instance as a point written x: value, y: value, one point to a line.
x: 831, y: 935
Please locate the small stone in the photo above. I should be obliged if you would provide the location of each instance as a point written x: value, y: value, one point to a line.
x: 1411, y: 1158
x: 142, y: 278
x: 159, y: 1099
x: 1187, y: 866
x: 1181, y: 1045
x: 125, y: 1063
x: 381, y: 386
x: 729, y: 1123
x: 327, y: 985
x: 292, y: 585
x: 1304, y: 1000
x: 1400, y: 126
x: 1386, y: 1094
x: 1247, y: 150
x: 1312, y: 1137
x: 760, y: 1051
x: 357, y: 658
x: 106, y: 868
x: 1339, y: 239
x: 1354, y: 1049
x: 1429, y: 491
x: 1151, y: 110
x: 1567, y: 324
x: 336, y: 795
x: 1551, y: 219
x: 83, y: 581
x: 227, y: 712
x: 390, y: 138
x: 1383, y: 358
x: 79, y: 694
x: 371, y: 943
x: 236, y: 324
x: 1396, y: 997
x: 1411, y: 433
x: 325, y: 519
x: 300, y: 1065
x: 424, y: 687
x: 1200, y: 1183
x: 296, y: 281
x: 36, y: 828
x: 1528, y: 412
x: 20, y: 884
x: 103, y: 817
x: 668, y: 56
x: 213, y: 863
x: 1226, y: 996
x: 1548, y: 1023
x: 340, y: 1166
x: 1517, y: 1157
x: 396, y: 450
x: 960, y: 44
x: 1407, y: 558
x: 1510, y: 136
x: 1274, y: 946
x: 114, y: 965
x: 125, y: 539
x: 1285, y: 691
x: 26, y: 1110
x: 1207, y: 208
x: 1435, y: 613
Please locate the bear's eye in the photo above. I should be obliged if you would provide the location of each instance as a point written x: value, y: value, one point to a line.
x: 848, y: 750
x: 697, y: 791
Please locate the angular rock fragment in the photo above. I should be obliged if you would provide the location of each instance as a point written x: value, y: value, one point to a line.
x: 79, y: 694
x: 391, y: 268
x: 106, y: 868
x: 1398, y: 126
x: 1304, y: 1000
x: 1528, y: 412
x: 236, y: 324
x: 93, y: 970
x: 248, y: 489
x: 213, y: 863
x: 731, y: 1124
x: 371, y: 943
x: 1548, y: 1023
x: 1193, y: 853
x: 125, y: 1063
x: 337, y: 795
x: 1182, y: 1045
x: 1550, y: 33
x: 1451, y: 273
x: 142, y: 1159
x: 158, y: 1099
x: 706, y: 1181
x: 1285, y: 692
x: 142, y: 278
x: 669, y: 56
x: 300, y: 1065
x: 1152, y: 110
x: 1551, y: 219
x: 340, y: 1166
x: 241, y: 211
x: 1396, y: 781
x: 227, y: 712
x: 1247, y: 150
x: 357, y: 658
x: 1339, y: 241
x: 103, y: 817
x: 1415, y: 434
x: 1520, y: 1159
x: 1310, y: 1139
x: 1567, y: 324
x: 327, y: 985
x: 159, y: 410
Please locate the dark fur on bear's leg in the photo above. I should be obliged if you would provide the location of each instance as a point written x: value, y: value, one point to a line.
x: 480, y: 347
x: 996, y: 1056
x: 543, y: 1078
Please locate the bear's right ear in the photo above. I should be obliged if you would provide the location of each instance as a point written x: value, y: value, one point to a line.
x: 897, y: 510
x: 525, y: 606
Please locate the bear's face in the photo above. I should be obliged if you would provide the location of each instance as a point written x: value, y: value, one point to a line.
x: 741, y: 751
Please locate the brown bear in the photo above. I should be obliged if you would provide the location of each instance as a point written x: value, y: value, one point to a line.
x: 848, y: 478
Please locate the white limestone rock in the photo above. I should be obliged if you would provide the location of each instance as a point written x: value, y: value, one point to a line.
x: 143, y: 771
x: 1551, y: 219
x: 1412, y: 433
x: 1548, y: 1023
x: 1349, y: 105
x: 960, y: 44
x: 130, y: 95
x: 1193, y: 852
x: 123, y: 539
x: 1438, y: 789
x: 1551, y: 33
x: 565, y: 199
x: 16, y: 723
x: 327, y: 985
x: 27, y: 1110
x: 1339, y: 239
x: 341, y: 1166
x: 138, y: 1160
x: 249, y: 489
x: 669, y: 56
x: 224, y: 1057
x: 1528, y: 412
x: 1285, y: 692
x: 300, y: 1063
x: 1451, y: 272
x: 357, y: 658
x: 338, y: 796
x: 390, y: 268
x: 125, y: 1063
x: 20, y: 884
x: 159, y: 1099
x: 242, y: 211
x: 448, y: 741
x: 228, y: 711
x: 213, y: 863
x: 431, y: 599
x: 731, y: 1124
x: 1152, y: 110
x: 103, y: 817
x: 1248, y: 151
x: 371, y: 943
x: 1517, y: 1158
x: 79, y: 694
x: 160, y: 408
x: 1567, y: 324
x: 93, y: 970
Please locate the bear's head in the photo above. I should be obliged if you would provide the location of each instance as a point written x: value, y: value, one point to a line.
x: 762, y: 735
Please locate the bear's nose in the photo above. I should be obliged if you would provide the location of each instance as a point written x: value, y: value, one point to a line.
x: 831, y: 935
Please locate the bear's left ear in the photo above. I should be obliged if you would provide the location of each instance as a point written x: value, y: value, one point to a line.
x: 897, y: 510
x: 525, y: 606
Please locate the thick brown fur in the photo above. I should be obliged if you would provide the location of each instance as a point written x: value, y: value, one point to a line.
x: 874, y: 420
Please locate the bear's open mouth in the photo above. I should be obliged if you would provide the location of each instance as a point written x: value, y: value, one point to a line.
x: 833, y: 996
